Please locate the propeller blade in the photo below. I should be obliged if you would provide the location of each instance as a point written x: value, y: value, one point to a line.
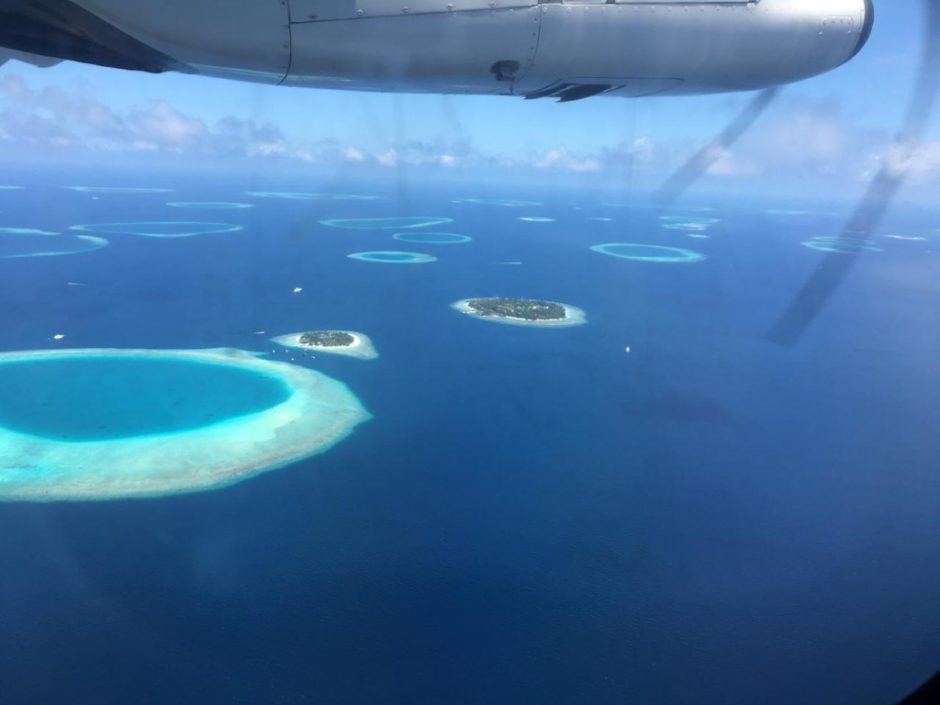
x: 927, y: 694
x: 701, y: 161
x: 832, y: 270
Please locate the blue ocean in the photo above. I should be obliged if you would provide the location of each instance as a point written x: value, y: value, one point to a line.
x: 661, y: 506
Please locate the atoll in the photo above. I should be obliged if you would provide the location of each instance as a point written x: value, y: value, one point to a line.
x: 841, y: 245
x: 384, y: 223
x: 118, y: 189
x: 305, y: 196
x: 159, y: 422
x: 18, y: 243
x: 160, y: 228
x: 393, y: 257
x: 648, y: 253
x: 429, y: 238
x: 211, y: 205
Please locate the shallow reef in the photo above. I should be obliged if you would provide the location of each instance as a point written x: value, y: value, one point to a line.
x: 393, y: 257
x: 430, y: 238
x: 160, y: 228
x: 648, y: 253
x: 159, y: 422
x: 385, y: 223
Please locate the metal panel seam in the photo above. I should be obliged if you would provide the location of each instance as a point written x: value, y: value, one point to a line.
x: 290, y: 43
x: 535, y: 49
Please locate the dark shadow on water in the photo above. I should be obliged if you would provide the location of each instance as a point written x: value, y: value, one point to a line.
x: 672, y: 405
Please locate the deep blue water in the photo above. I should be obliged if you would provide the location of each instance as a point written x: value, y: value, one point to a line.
x: 102, y: 397
x: 533, y: 516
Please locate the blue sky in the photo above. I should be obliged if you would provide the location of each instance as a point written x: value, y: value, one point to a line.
x: 833, y: 127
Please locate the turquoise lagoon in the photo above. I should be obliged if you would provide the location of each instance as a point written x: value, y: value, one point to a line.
x: 102, y: 424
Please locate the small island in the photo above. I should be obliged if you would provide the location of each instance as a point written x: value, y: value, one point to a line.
x: 337, y: 342
x: 526, y: 312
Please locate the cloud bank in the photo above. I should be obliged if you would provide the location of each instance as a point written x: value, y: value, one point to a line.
x: 796, y: 140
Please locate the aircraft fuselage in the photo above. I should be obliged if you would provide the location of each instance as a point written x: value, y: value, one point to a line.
x: 534, y: 48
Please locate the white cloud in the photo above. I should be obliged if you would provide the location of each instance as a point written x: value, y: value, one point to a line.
x: 561, y: 158
x: 727, y: 164
x: 796, y: 139
x: 811, y: 138
x: 352, y: 154
x: 58, y: 119
x: 167, y: 128
x: 387, y: 158
x: 919, y: 163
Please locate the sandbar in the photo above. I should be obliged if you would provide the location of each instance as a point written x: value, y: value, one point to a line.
x: 160, y: 228
x: 287, y: 195
x: 687, y: 227
x: 504, y: 202
x: 384, y: 223
x: 429, y: 238
x: 840, y: 245
x: 118, y: 189
x: 211, y: 205
x: 492, y: 309
x: 784, y: 211
x: 648, y: 253
x: 689, y: 219
x: 316, y: 413
x: 304, y: 196
x: 393, y: 257
x: 360, y: 346
x: 28, y: 242
x: 26, y: 231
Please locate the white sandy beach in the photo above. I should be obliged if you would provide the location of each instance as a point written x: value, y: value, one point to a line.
x: 361, y: 347
x: 574, y: 316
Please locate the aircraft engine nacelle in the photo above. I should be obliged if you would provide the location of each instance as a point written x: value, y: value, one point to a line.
x: 534, y: 48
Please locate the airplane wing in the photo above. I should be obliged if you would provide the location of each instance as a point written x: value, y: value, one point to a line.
x: 42, y: 62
